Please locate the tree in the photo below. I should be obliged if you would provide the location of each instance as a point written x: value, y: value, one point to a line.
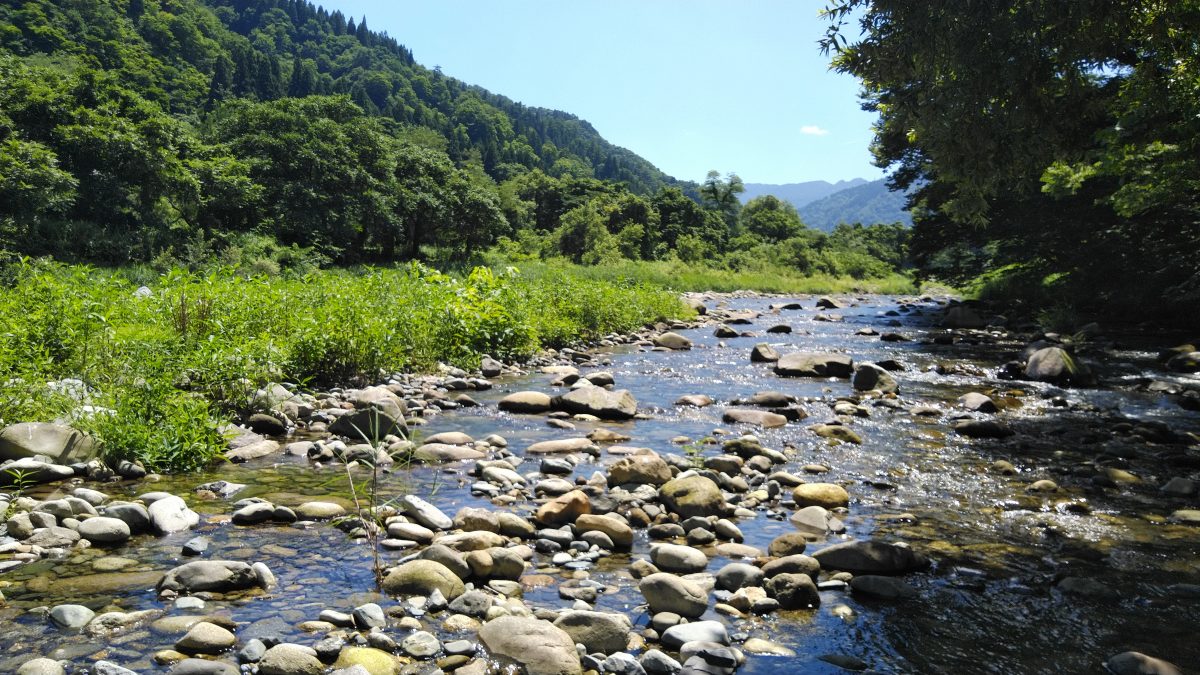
x: 1061, y: 138
x: 722, y: 195
x: 770, y: 218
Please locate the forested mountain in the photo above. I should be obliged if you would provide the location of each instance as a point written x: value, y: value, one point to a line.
x: 799, y: 194
x: 868, y: 203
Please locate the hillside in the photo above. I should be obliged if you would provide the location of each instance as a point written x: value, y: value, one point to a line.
x: 799, y: 194
x: 869, y: 203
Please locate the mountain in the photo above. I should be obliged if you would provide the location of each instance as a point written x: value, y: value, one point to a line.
x: 799, y: 194
x: 868, y: 203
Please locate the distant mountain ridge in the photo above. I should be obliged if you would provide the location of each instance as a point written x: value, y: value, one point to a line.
x: 822, y: 205
x: 799, y: 194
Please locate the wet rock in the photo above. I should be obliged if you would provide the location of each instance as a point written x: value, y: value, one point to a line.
x: 71, y: 617
x: 962, y: 316
x: 826, y: 495
x: 35, y: 470
x: 206, y: 638
x: 764, y: 353
x: 1136, y: 663
x: 725, y: 331
x: 696, y: 631
x: 837, y: 432
x: 738, y: 575
x: 562, y: 445
x: 656, y: 662
x: 253, y: 513
x: 871, y: 557
x: 791, y: 543
x: 1043, y: 485
x: 668, y: 593
x: 320, y: 510
x: 695, y: 400
x: 677, y: 558
x: 1054, y: 364
x: 371, y: 424
x: 209, y: 575
x: 1179, y: 487
x: 290, y: 659
x: 425, y: 513
x: 528, y: 402
x: 41, y: 666
x: 642, y: 468
x: 793, y: 591
x: 673, y: 341
x: 869, y: 376
x: 422, y: 577
x: 171, y: 514
x: 102, y: 530
x: 565, y: 508
x: 110, y: 668
x: 616, y: 404
x: 599, y: 632
x: 439, y: 453
x: 811, y: 364
x: 886, y: 588
x: 692, y: 496
x: 977, y: 402
x: 1187, y: 516
x: 538, y: 646
x: 136, y: 516
x: 761, y: 418
x: 619, y: 532
x: 421, y: 645
x: 982, y: 429
x: 56, y: 442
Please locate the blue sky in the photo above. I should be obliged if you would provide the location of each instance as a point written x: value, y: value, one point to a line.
x: 690, y: 86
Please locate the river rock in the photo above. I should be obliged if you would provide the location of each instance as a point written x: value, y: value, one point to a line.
x: 539, y: 647
x: 290, y: 659
x: 868, y: 377
x: 72, y: 617
x: 826, y: 495
x: 56, y: 442
x: 962, y: 316
x: 422, y: 577
x: 425, y: 513
x: 977, y: 402
x: 601, y: 632
x: 982, y: 429
x: 871, y: 557
x: 696, y: 631
x: 668, y: 593
x: 209, y: 575
x: 764, y: 353
x: 102, y: 530
x: 677, y: 558
x: 692, y: 495
x: 561, y: 445
x: 616, y: 404
x: 619, y: 532
x: 370, y: 424
x: 789, y: 543
x: 1137, y: 663
x: 811, y: 364
x: 1054, y: 364
x: 738, y: 575
x: 565, y: 508
x: 641, y: 468
x: 695, y: 400
x: 371, y: 661
x: 530, y: 402
x: 41, y: 666
x: 672, y: 341
x: 171, y: 514
x: 206, y: 638
x: 33, y: 469
x: 793, y: 591
x: 886, y: 588
x: 320, y: 510
x: 438, y: 453
x: 761, y: 418
x: 837, y: 432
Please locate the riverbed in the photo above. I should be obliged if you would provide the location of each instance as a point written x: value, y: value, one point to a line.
x: 993, y: 600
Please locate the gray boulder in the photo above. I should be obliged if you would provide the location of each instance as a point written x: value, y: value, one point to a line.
x: 59, y: 443
x: 171, y: 514
x: 871, y: 557
x: 209, y: 575
x: 102, y: 530
x: 811, y: 364
x: 617, y: 404
x: 868, y: 376
x: 601, y: 632
x: 669, y: 593
x: 370, y: 424
x: 539, y: 647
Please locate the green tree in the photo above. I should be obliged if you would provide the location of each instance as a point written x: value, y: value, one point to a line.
x: 770, y: 218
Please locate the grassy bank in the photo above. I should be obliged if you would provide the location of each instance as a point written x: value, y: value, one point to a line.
x: 680, y: 276
x: 167, y: 365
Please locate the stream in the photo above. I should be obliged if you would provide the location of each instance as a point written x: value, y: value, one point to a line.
x: 993, y: 600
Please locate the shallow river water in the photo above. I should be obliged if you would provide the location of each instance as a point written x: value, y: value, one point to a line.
x: 989, y: 604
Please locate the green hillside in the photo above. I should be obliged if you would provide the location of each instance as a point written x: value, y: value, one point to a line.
x: 868, y: 204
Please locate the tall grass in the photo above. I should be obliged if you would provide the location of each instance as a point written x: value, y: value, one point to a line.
x: 159, y: 372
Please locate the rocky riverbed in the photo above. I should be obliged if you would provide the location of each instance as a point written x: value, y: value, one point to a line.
x: 810, y: 484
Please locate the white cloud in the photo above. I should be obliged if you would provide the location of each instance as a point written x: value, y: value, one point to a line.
x: 813, y: 130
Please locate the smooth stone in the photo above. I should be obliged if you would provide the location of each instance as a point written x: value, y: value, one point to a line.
x: 887, y: 588
x: 677, y: 558
x: 1137, y: 663
x: 290, y: 659
x: 668, y: 593
x: 597, y: 631
x: 538, y: 646
x: 71, y: 617
x: 871, y: 557
x: 696, y: 631
x: 206, y: 638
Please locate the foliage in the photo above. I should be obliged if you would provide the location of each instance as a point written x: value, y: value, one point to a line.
x: 1060, y: 135
x: 154, y: 376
